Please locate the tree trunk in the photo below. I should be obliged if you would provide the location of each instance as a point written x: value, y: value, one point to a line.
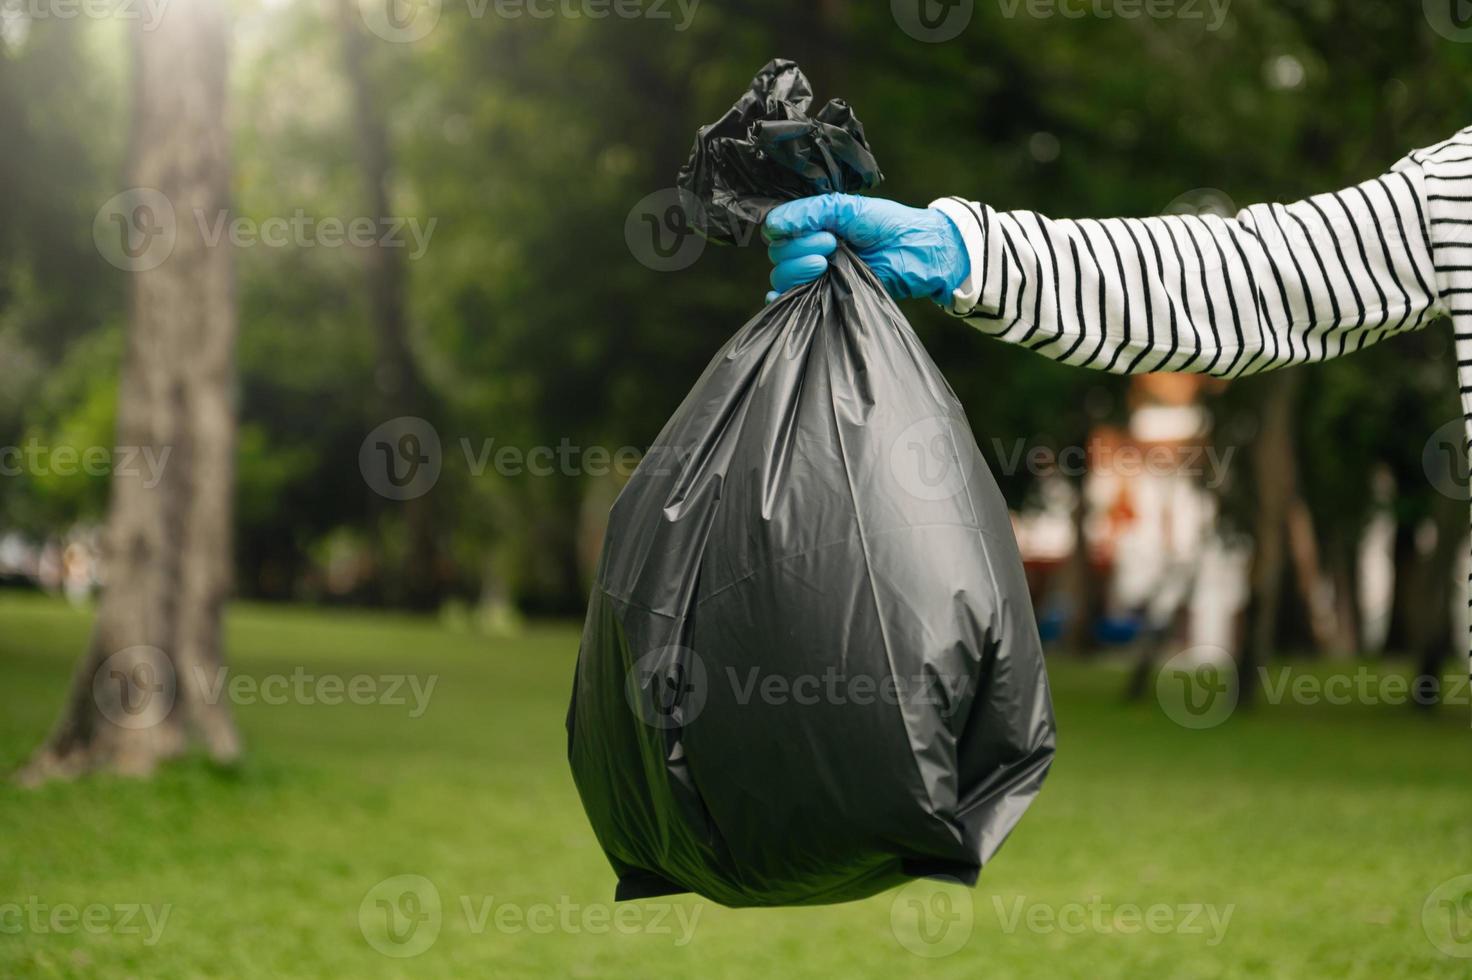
x: 1158, y: 638
x: 1308, y: 575
x: 1274, y: 468
x: 1432, y: 636
x: 1084, y: 589
x: 1343, y: 562
x: 1403, y: 589
x: 140, y: 691
x: 818, y: 39
x: 402, y: 389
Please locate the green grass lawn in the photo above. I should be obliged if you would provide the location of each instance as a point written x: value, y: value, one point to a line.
x: 1321, y: 830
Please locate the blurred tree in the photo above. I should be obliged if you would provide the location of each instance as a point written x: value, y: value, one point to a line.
x: 536, y: 318
x: 1275, y: 476
x: 397, y: 375
x: 144, y: 685
x: 58, y: 95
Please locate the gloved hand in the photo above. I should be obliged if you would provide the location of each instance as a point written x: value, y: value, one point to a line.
x: 913, y: 251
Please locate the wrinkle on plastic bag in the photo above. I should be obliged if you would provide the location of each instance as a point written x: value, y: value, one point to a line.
x: 810, y: 669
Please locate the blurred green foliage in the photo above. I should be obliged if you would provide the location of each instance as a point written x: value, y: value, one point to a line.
x: 528, y: 141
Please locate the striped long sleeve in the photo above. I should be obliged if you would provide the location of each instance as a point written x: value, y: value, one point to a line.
x: 1280, y: 284
x: 1446, y: 170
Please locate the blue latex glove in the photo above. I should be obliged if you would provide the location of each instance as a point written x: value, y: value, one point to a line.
x: 913, y: 251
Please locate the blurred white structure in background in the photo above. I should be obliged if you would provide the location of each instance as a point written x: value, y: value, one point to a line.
x: 1377, y: 579
x: 1170, y: 561
x: 1150, y: 520
x: 1156, y: 555
x: 69, y: 564
x: 19, y: 558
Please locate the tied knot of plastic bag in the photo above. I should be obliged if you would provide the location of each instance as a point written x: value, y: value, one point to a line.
x: 767, y: 149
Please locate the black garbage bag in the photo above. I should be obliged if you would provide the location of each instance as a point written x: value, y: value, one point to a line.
x: 810, y: 668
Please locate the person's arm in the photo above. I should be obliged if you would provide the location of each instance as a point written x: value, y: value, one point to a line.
x: 1277, y: 285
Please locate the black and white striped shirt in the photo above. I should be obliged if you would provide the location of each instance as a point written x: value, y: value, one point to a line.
x: 1280, y: 284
